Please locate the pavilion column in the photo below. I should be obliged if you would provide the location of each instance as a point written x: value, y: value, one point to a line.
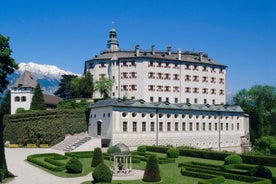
x: 130, y: 163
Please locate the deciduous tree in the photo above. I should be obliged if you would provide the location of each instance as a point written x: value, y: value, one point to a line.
x: 7, y: 67
x: 104, y: 86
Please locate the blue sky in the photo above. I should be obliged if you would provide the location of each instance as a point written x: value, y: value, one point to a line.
x: 238, y: 33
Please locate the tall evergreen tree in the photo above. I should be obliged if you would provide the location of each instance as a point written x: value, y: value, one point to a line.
x: 87, y: 85
x: 7, y: 67
x: 64, y: 87
x: 38, y: 100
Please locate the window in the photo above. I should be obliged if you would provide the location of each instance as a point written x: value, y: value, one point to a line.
x: 134, y: 114
x: 168, y: 115
x: 187, y: 67
x: 143, y: 115
x: 203, y: 126
x: 195, y: 78
x: 124, y: 126
x: 169, y: 126
x: 102, y: 76
x: 133, y: 74
x: 124, y: 114
x: 152, y: 115
x: 108, y: 115
x: 133, y: 97
x: 176, y: 115
x: 205, y: 91
x: 151, y: 99
x: 175, y: 100
x: 221, y: 92
x: 175, y: 76
x: 187, y: 78
x: 17, y: 99
x: 221, y: 81
x: 167, y: 99
x: 176, y: 66
x: 197, y: 126
x: 195, y: 100
x: 195, y: 68
x: 195, y: 90
x: 159, y: 88
x: 143, y: 126
x: 213, y: 91
x: 160, y: 126
x: 102, y: 65
x: 168, y: 88
x: 205, y: 101
x: 151, y: 64
x: 167, y: 65
x: 187, y: 90
x: 238, y: 126
x: 151, y: 75
x: 124, y: 88
x: 187, y: 100
x: 205, y: 69
x: 104, y: 115
x: 221, y: 126
x: 152, y: 126
x: 190, y: 116
x: 232, y: 126
x: 134, y: 126
x: 133, y: 87
x: 176, y: 126
x: 210, y: 126
x: 221, y: 71
x: 213, y: 80
x: 23, y: 99
x: 226, y: 127
x: 183, y: 126
x: 214, y: 101
x: 159, y: 76
x: 204, y: 79
x: 151, y: 87
x: 167, y: 76
x: 159, y: 64
x: 183, y: 115
x: 124, y: 75
x: 216, y: 126
x: 176, y: 89
x: 191, y: 126
x: 159, y: 99
x: 160, y: 115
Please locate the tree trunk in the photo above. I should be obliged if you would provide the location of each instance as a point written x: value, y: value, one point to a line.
x: 4, y: 173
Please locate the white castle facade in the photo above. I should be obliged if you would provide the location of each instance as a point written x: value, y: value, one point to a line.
x: 183, y: 100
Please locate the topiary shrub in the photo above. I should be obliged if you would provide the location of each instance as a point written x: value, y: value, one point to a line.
x: 97, y: 157
x: 172, y: 153
x: 74, y: 166
x: 232, y: 159
x: 142, y: 148
x: 152, y: 171
x: 261, y: 171
x: 102, y: 174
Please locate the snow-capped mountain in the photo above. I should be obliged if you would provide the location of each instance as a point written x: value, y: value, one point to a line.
x: 48, y: 76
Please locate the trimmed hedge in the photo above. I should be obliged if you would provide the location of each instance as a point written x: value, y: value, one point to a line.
x: 172, y: 153
x: 49, y: 166
x: 152, y: 171
x: 97, y: 157
x: 43, y: 127
x: 74, y: 166
x: 102, y: 173
x: 142, y: 148
x: 80, y: 154
x: 232, y: 159
x: 214, y: 155
x: 216, y: 180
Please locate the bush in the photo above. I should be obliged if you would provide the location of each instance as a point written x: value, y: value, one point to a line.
x: 142, y: 148
x: 215, y: 180
x: 172, y: 153
x: 232, y: 159
x: 152, y: 171
x: 97, y: 157
x: 74, y: 166
x: 113, y: 149
x: 261, y: 171
x: 102, y: 174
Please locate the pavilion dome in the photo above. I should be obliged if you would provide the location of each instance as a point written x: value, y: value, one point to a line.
x: 120, y: 149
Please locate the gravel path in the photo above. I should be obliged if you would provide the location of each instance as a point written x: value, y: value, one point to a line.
x: 28, y: 174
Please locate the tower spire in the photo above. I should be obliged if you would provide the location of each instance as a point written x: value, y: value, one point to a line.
x: 112, y: 43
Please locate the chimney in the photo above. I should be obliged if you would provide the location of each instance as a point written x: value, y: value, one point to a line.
x: 169, y: 50
x: 137, y: 50
x: 200, y: 56
x: 179, y: 53
x: 153, y: 49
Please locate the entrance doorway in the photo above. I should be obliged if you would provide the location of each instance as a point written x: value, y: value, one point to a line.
x: 99, y: 128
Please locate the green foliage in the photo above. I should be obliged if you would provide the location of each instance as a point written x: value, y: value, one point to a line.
x: 233, y: 159
x: 21, y: 110
x: 43, y: 127
x: 82, y: 87
x: 113, y: 149
x: 265, y: 145
x: 97, y: 157
x: 80, y: 154
x: 5, y: 107
x: 74, y: 166
x: 104, y: 86
x: 261, y: 171
x: 72, y: 104
x: 142, y: 148
x: 152, y: 171
x: 260, y: 103
x: 215, y: 180
x: 172, y: 153
x: 38, y: 99
x: 102, y: 174
x: 7, y: 67
x: 64, y: 86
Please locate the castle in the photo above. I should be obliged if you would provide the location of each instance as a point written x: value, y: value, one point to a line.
x: 178, y: 98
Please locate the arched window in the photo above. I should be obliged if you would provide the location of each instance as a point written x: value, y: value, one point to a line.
x: 17, y: 99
